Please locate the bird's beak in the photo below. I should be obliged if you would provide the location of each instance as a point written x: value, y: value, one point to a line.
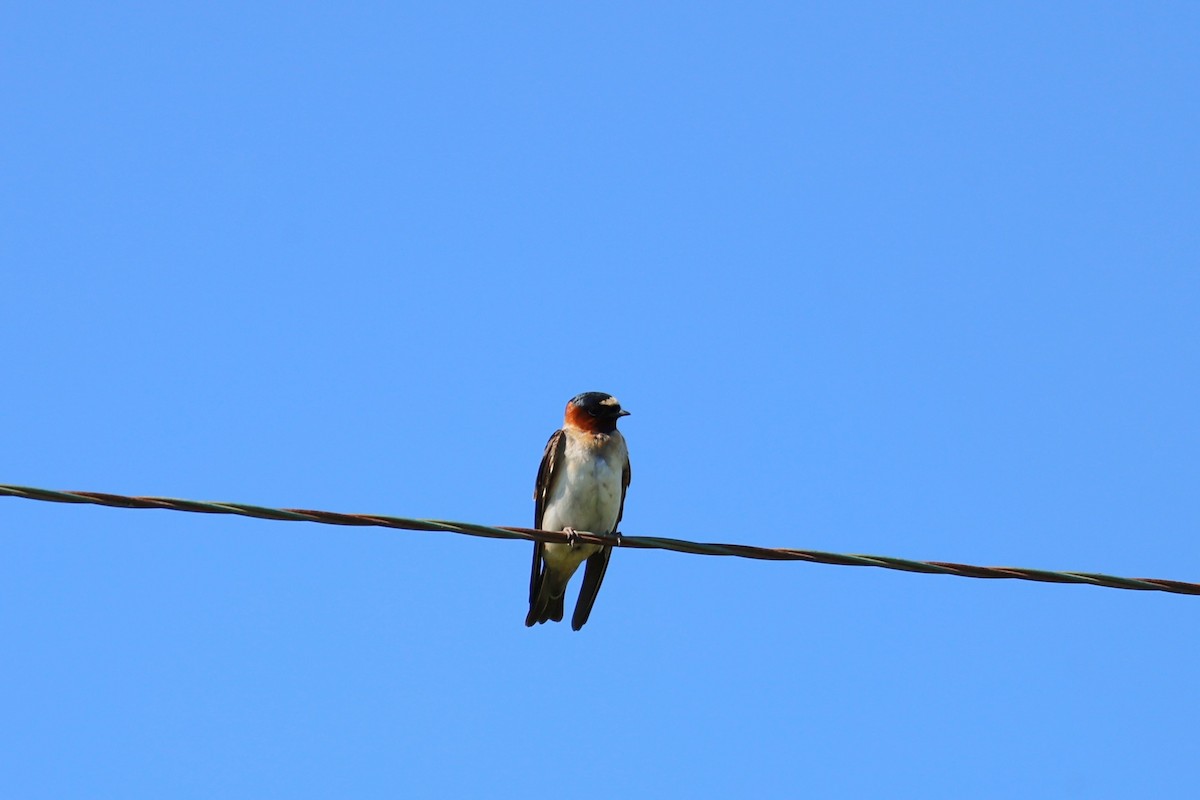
x: 622, y: 413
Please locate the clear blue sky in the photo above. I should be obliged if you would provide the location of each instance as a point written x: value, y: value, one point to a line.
x: 916, y: 280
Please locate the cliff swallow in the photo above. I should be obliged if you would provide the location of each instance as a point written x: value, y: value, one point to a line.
x: 580, y: 487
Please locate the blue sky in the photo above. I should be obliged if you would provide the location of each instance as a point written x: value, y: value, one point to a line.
x: 919, y: 281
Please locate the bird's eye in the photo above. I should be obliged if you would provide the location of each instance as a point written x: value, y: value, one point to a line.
x: 593, y: 412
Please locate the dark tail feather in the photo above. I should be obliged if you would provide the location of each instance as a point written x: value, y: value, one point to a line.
x: 544, y: 607
x: 546, y: 590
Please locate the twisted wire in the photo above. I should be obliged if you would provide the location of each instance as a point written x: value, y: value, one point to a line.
x: 637, y: 542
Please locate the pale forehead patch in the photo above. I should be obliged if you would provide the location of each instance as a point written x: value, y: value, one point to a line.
x: 609, y: 401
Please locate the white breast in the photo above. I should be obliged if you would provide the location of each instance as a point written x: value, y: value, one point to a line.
x: 587, y: 495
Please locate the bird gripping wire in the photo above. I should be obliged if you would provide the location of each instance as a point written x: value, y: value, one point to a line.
x: 636, y: 542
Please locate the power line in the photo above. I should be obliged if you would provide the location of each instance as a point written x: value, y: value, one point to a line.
x: 637, y: 542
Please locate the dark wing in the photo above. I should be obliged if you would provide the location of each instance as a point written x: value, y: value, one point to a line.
x: 593, y: 576
x: 597, y: 565
x: 626, y: 476
x: 541, y: 492
x: 546, y: 474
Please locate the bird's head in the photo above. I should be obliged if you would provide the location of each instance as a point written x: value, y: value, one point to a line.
x: 594, y: 412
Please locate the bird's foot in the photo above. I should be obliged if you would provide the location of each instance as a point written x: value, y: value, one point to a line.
x: 572, y: 537
x: 617, y: 535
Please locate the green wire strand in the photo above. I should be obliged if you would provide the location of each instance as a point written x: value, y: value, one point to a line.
x: 637, y: 542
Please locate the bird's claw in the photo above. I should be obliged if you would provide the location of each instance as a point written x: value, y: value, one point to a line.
x: 572, y: 536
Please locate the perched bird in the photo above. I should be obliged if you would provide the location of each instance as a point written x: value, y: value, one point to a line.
x: 580, y: 487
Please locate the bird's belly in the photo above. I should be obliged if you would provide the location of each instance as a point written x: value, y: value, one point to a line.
x: 564, y: 559
x: 588, y: 498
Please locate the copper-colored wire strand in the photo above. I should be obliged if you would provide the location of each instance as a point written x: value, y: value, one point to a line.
x: 637, y: 542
